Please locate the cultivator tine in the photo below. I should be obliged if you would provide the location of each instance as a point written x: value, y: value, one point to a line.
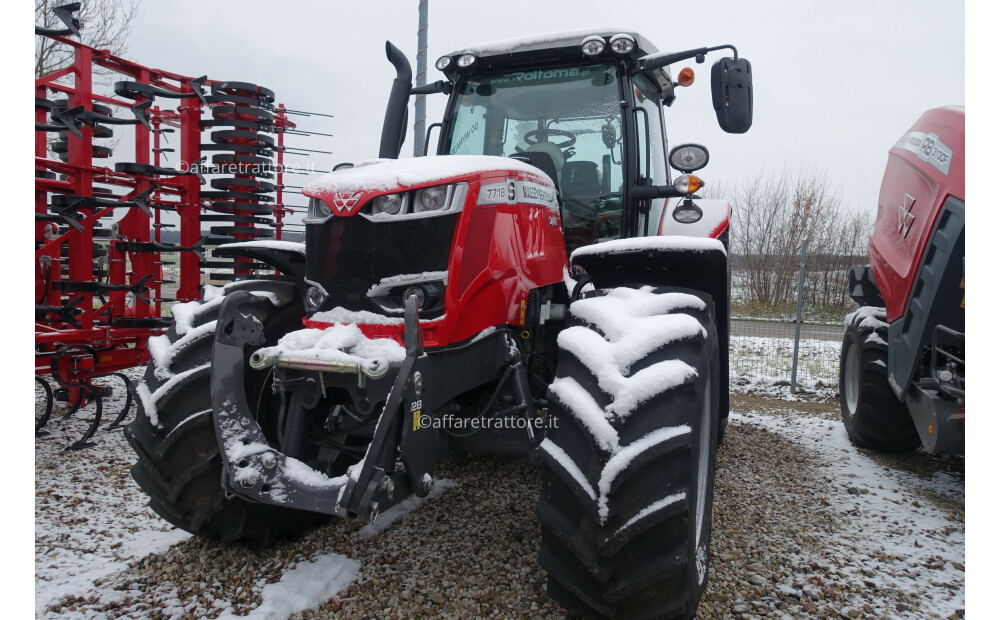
x: 117, y: 423
x: 140, y: 113
x: 140, y: 201
x: 75, y: 407
x: 49, y: 401
x: 84, y: 442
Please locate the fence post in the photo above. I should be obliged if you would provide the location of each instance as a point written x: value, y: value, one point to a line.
x: 798, y: 313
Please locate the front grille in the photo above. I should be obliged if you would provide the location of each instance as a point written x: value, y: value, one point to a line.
x: 347, y: 256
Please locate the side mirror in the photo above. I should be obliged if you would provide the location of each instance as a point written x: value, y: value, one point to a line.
x: 732, y: 94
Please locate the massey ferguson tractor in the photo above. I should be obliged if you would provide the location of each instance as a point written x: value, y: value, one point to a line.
x: 542, y: 286
x: 902, y: 365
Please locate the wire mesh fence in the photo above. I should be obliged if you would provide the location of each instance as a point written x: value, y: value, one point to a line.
x: 764, y: 331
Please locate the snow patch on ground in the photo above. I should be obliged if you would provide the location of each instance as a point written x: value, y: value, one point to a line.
x: 90, y: 521
x: 884, y: 519
x: 403, y: 508
x: 304, y: 587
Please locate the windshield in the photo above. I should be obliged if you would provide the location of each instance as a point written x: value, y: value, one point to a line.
x: 573, y: 115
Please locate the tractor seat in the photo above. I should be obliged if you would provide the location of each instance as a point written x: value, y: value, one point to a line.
x: 542, y: 161
x: 582, y: 181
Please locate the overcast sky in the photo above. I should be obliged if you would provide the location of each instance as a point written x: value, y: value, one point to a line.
x: 835, y: 84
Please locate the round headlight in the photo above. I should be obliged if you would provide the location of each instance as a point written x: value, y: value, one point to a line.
x: 390, y: 203
x: 689, y: 157
x: 433, y: 198
x: 688, y: 213
x: 466, y: 60
x: 443, y: 63
x: 315, y: 296
x: 415, y: 290
x: 622, y: 44
x: 593, y: 45
x: 318, y: 209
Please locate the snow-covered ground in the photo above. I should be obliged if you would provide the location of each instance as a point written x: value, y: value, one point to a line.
x: 892, y: 525
x: 903, y: 530
x: 764, y: 366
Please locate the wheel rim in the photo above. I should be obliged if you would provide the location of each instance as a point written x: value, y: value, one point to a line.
x: 702, y: 488
x: 852, y: 378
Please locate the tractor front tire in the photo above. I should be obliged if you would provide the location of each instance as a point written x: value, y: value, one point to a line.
x: 179, y: 464
x: 873, y: 416
x: 628, y: 462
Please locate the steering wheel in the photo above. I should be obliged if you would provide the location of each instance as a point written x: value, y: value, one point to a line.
x: 532, y: 137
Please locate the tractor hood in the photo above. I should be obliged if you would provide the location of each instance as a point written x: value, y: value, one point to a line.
x: 346, y: 190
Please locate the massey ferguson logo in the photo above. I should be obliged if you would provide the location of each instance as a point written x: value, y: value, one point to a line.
x: 905, y: 217
x: 345, y: 202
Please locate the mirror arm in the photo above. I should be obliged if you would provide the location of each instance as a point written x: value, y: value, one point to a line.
x: 439, y: 86
x: 657, y: 61
x: 652, y: 192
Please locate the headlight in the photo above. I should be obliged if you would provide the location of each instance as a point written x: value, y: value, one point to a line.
x: 593, y: 45
x: 432, y: 198
x: 622, y: 44
x: 443, y: 63
x: 466, y: 60
x: 418, y: 203
x: 389, y: 203
x: 318, y: 210
x: 688, y: 212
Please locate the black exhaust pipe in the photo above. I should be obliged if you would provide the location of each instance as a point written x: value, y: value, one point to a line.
x: 397, y: 109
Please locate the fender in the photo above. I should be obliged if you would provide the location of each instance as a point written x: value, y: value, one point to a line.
x: 288, y: 257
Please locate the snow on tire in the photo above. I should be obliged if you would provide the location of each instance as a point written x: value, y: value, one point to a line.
x: 179, y: 465
x: 628, y: 466
x: 873, y: 416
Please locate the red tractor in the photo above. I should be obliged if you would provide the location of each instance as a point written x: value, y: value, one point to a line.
x: 540, y: 287
x: 902, y: 365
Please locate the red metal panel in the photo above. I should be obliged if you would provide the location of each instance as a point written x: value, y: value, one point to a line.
x: 913, y: 190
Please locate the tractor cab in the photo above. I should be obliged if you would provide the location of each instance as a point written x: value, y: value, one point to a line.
x: 586, y: 108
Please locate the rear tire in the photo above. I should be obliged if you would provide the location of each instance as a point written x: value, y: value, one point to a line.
x: 179, y: 464
x: 626, y: 497
x: 873, y: 416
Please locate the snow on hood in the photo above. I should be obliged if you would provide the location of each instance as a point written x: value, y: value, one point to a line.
x: 383, y: 174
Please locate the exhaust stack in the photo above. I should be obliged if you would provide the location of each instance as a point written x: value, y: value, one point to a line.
x: 396, y: 110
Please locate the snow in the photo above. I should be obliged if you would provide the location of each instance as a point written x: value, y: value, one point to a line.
x: 303, y: 474
x: 652, y: 508
x: 584, y: 408
x: 867, y: 316
x: 402, y: 509
x: 624, y: 457
x: 874, y: 337
x: 385, y: 284
x: 886, y: 515
x: 305, y: 586
x: 163, y: 353
x: 540, y: 41
x: 483, y: 334
x: 89, y: 522
x: 641, y: 244
x: 343, y: 315
x: 560, y: 456
x: 287, y: 246
x: 338, y: 343
x: 606, y: 361
x: 400, y: 173
x: 149, y: 400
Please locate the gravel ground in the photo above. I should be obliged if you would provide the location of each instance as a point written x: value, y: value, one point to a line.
x: 804, y: 526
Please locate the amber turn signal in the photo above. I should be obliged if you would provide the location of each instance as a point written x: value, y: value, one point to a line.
x: 686, y: 76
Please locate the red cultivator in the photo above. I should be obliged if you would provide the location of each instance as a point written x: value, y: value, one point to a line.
x: 102, y: 274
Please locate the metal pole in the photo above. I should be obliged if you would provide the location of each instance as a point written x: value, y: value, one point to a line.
x: 798, y: 313
x: 420, y: 108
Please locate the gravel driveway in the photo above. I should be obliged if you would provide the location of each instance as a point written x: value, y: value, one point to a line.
x: 804, y: 525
